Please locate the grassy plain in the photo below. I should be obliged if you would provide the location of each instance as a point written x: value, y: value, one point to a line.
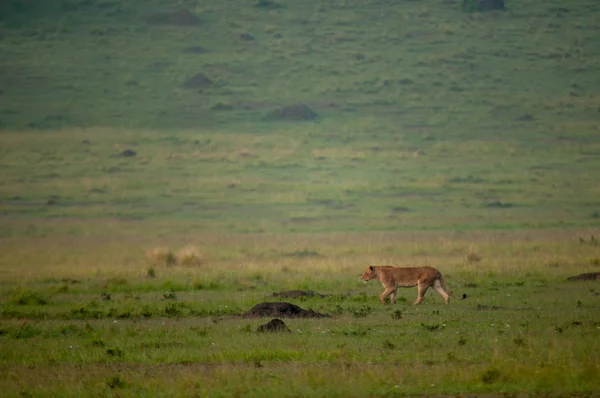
x: 468, y: 142
x: 176, y: 330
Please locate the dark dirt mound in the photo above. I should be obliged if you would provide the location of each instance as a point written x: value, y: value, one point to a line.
x: 180, y: 17
x: 128, y: 153
x: 274, y: 325
x: 198, y: 81
x: 282, y: 309
x: 246, y: 37
x: 590, y: 276
x: 483, y: 5
x: 195, y: 50
x: 296, y: 112
x: 297, y: 293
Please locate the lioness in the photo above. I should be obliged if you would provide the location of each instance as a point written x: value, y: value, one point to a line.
x: 394, y: 277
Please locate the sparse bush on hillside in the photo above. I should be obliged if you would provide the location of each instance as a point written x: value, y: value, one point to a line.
x: 483, y: 5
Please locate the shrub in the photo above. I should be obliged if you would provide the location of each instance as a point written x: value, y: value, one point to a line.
x: 151, y: 273
x: 360, y: 312
x: 473, y: 257
x: 115, y: 382
x: 28, y: 297
x: 490, y: 376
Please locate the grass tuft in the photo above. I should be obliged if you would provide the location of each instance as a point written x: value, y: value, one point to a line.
x: 189, y: 256
x: 25, y: 296
x: 161, y: 256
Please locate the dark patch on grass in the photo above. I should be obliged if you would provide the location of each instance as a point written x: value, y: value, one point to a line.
x: 28, y: 297
x: 519, y: 341
x: 114, y: 352
x: 491, y: 376
x: 485, y: 307
x: 498, y: 204
x: 128, y: 153
x: 525, y: 118
x: 297, y: 294
x: 195, y: 50
x: 483, y: 5
x: 270, y: 4
x: 332, y: 204
x: 360, y: 332
x: 295, y: 112
x: 274, y: 326
x: 303, y: 253
x: 87, y: 311
x: 70, y: 281
x: 466, y: 180
x: 180, y: 17
x: 388, y: 345
x: 590, y: 276
x: 220, y: 106
x: 246, y: 37
x: 397, y: 314
x: 115, y: 382
x: 198, y: 81
x: 27, y: 331
x: 432, y: 327
x: 360, y: 312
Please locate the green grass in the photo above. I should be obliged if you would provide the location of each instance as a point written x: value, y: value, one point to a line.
x: 262, y: 183
x: 463, y: 141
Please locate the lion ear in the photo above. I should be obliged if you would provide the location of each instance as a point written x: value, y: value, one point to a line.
x: 371, y: 268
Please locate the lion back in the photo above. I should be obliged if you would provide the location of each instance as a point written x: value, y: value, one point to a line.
x: 406, y: 276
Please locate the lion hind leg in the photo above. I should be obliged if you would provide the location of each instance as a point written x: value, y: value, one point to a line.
x: 422, y: 289
x: 438, y: 287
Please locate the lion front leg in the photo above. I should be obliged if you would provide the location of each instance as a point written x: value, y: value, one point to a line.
x: 386, y: 293
x: 393, y: 296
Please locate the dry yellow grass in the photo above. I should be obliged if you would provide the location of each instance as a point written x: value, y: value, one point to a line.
x: 166, y: 257
x: 121, y: 248
x: 189, y: 256
x: 161, y: 256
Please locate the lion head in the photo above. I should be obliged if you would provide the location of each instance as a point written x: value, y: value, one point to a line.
x: 368, y: 274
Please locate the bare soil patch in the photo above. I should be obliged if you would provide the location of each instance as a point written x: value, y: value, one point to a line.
x: 281, y: 309
x: 590, y: 276
x: 273, y: 326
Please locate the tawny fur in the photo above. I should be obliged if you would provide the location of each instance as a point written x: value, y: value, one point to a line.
x: 394, y: 277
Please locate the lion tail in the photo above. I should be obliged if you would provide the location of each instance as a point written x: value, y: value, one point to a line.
x: 441, y: 279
